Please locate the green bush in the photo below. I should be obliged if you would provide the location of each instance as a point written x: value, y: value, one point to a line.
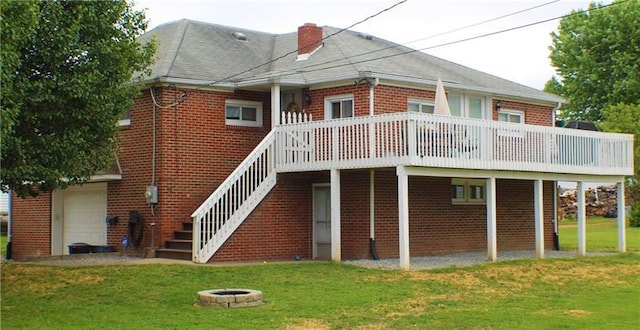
x: 634, y: 215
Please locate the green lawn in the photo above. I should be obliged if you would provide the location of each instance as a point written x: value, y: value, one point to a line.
x: 602, y: 235
x: 579, y: 293
x: 3, y: 245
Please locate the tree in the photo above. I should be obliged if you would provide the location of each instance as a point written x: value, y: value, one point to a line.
x: 67, y: 77
x: 596, y: 54
x: 623, y: 118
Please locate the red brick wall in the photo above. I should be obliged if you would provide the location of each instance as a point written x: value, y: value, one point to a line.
x: 390, y: 99
x: 281, y: 226
x: 31, y: 226
x: 196, y: 151
x: 436, y: 225
x: 533, y: 114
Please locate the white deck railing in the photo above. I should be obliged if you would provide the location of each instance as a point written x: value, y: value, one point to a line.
x: 416, y: 139
x: 229, y: 205
x: 410, y: 139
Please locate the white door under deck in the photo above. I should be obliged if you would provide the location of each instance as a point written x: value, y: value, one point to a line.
x: 322, y: 222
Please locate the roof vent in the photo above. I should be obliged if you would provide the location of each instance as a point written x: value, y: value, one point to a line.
x: 239, y: 36
x: 366, y: 36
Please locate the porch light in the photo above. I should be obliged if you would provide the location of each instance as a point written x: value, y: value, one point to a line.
x: 307, y: 100
x: 499, y: 105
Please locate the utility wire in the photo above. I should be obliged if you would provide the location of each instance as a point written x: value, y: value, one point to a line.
x: 299, y: 71
x: 294, y: 71
x: 296, y: 50
x: 483, y: 22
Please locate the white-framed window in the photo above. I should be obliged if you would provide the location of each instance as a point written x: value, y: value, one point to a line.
x: 125, y: 119
x: 420, y: 106
x: 468, y: 191
x: 514, y: 117
x: 243, y: 113
x: 462, y: 105
x: 511, y: 116
x: 339, y: 107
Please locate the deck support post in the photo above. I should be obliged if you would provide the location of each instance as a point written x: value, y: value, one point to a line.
x: 492, y: 248
x: 581, y: 214
x: 335, y: 216
x: 403, y: 217
x: 622, y: 245
x: 539, y: 217
x: 275, y: 106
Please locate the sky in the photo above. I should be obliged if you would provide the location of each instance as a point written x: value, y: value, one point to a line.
x: 520, y: 55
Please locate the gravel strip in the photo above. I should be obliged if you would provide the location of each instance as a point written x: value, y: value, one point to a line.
x: 461, y: 259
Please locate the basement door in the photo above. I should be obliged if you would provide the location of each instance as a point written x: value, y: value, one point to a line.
x: 79, y: 217
x: 322, y: 222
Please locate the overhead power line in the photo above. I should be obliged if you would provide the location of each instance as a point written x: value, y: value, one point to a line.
x: 410, y: 51
x: 296, y: 50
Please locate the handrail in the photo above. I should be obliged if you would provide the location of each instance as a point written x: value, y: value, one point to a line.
x: 418, y: 139
x: 234, y: 199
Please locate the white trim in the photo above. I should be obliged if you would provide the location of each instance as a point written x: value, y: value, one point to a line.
x: 124, y: 122
x: 241, y: 122
x: 467, y: 173
x: 467, y: 183
x: 336, y: 252
x: 492, y: 236
x: 622, y: 245
x: 581, y: 214
x: 538, y: 198
x: 512, y: 112
x: 314, y: 248
x: 403, y: 218
x: 421, y: 102
x: 344, y: 97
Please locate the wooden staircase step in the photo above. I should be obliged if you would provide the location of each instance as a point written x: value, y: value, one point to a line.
x: 179, y: 254
x: 180, y: 244
x: 183, y: 234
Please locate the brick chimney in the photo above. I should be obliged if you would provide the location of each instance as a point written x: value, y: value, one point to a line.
x: 309, y: 39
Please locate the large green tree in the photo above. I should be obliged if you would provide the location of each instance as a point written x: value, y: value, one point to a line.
x: 596, y: 54
x: 67, y: 70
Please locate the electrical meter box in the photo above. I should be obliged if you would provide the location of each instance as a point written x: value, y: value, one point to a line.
x: 152, y: 195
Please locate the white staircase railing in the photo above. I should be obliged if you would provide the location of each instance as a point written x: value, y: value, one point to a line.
x: 230, y: 204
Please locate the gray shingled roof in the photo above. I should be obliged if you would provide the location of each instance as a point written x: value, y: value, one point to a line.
x: 202, y: 53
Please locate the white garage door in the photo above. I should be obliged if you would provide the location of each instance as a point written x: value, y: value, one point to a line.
x: 85, y: 210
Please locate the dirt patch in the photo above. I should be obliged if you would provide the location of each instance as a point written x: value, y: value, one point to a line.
x: 309, y: 324
x: 45, y: 281
x: 576, y: 313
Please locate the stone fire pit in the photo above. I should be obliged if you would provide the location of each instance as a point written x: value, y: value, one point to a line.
x: 230, y: 298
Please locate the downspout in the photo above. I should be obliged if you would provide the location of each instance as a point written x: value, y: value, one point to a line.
x: 556, y: 237
x: 372, y: 199
x: 9, y: 229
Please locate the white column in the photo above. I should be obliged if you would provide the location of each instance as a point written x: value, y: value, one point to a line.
x: 492, y: 237
x: 581, y: 214
x: 403, y: 217
x: 372, y: 205
x: 539, y: 217
x: 622, y: 242
x: 275, y: 106
x: 335, y: 216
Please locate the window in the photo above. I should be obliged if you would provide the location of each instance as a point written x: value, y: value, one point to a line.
x: 514, y: 117
x: 125, y: 119
x: 511, y: 116
x: 420, y: 106
x: 243, y: 113
x: 339, y: 107
x: 468, y: 191
x: 466, y: 105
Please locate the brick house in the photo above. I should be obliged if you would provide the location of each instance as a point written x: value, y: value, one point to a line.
x: 321, y: 144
